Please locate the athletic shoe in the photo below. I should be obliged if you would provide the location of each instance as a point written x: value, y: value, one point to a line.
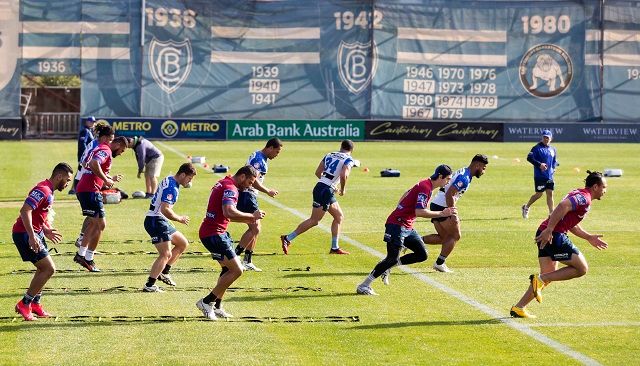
x: 365, y: 290
x: 166, y: 278
x: 220, y: 313
x: 153, y: 288
x: 338, y: 251
x: 442, y: 268
x: 537, y: 284
x: 248, y: 266
x: 38, y: 310
x: 385, y: 277
x: 285, y: 244
x: 71, y: 191
x: 207, y: 310
x: 93, y: 266
x: 525, y: 212
x: 24, y: 310
x: 148, y: 195
x: 83, y: 262
x: 517, y: 312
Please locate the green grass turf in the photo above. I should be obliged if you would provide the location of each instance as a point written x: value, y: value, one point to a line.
x: 410, y: 322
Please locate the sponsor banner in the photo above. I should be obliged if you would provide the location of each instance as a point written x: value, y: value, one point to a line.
x: 575, y: 132
x: 169, y: 128
x: 10, y: 129
x: 433, y: 131
x: 296, y: 130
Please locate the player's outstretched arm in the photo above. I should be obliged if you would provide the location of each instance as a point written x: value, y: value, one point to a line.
x: 593, y: 239
x: 423, y: 212
x: 262, y: 188
x: 167, y: 210
x: 233, y: 214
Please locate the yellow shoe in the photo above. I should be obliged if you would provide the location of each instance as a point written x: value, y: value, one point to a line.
x: 517, y: 312
x: 537, y: 284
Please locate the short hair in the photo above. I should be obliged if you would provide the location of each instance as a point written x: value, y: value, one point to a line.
x: 481, y: 158
x: 247, y: 171
x: 592, y: 179
x: 187, y: 168
x: 274, y: 143
x: 442, y: 170
x: 346, y: 145
x: 62, y: 168
x: 121, y: 140
x: 104, y: 130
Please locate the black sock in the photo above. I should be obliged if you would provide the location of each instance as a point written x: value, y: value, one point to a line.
x: 218, y: 303
x: 224, y: 270
x: 166, y: 269
x: 36, y: 299
x: 151, y: 281
x: 209, y: 298
x: 440, y: 260
x: 247, y: 256
x: 239, y: 250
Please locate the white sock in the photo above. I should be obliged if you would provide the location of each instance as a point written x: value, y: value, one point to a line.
x: 367, y: 281
x: 89, y: 255
x: 82, y: 251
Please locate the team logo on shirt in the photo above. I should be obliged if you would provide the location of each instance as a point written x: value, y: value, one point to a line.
x: 37, y: 195
x: 170, y: 197
x: 229, y: 194
x: 546, y: 71
x: 170, y: 63
x: 582, y: 200
x: 357, y: 64
x: 460, y: 184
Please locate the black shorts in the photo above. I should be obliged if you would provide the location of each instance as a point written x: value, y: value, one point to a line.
x: 159, y: 229
x: 220, y: 246
x: 400, y: 236
x: 323, y: 196
x: 91, y: 204
x: 21, y: 241
x: 560, y: 249
x: 542, y: 184
x: 247, y: 202
x: 434, y: 207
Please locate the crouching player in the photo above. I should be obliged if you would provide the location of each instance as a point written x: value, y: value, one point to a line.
x: 213, y: 234
x: 29, y: 232
x: 399, y: 232
x: 162, y: 233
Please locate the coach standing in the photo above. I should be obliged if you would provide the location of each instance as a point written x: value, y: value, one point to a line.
x: 543, y: 157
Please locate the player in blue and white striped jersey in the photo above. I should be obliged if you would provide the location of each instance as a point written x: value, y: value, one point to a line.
x: 448, y: 228
x: 334, y: 167
x: 248, y: 199
x: 162, y: 233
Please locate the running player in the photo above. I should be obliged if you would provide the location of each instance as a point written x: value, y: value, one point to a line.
x: 399, y: 231
x: 448, y: 228
x: 555, y: 246
x: 28, y: 233
x: 162, y: 233
x: 543, y: 157
x: 88, y: 192
x: 334, y: 167
x: 213, y: 234
x: 248, y: 200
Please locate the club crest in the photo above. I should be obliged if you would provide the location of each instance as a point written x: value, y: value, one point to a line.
x: 170, y: 63
x: 546, y: 71
x: 357, y: 64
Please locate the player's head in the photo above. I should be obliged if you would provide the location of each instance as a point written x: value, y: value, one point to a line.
x: 272, y: 148
x: 547, y: 136
x: 346, y: 146
x: 596, y: 183
x: 133, y: 141
x: 119, y: 145
x: 105, y: 132
x: 478, y: 165
x: 245, y: 177
x: 185, y: 174
x: 61, y: 175
x: 441, y: 175
x: 90, y: 121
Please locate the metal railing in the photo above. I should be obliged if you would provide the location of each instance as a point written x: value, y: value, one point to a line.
x: 43, y: 125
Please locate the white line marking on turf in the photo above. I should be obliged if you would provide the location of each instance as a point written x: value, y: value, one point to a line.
x: 517, y: 325
x: 602, y: 324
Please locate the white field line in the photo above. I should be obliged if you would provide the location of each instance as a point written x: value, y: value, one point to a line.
x: 499, y: 315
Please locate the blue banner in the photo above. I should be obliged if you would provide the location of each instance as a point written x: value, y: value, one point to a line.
x: 573, y: 132
x: 10, y: 69
x: 169, y: 128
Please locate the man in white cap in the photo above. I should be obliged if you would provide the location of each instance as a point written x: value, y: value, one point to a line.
x: 543, y: 157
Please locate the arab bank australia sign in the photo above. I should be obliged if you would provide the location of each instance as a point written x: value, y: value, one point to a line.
x: 296, y: 130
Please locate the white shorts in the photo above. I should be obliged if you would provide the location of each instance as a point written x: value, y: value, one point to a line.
x: 152, y: 168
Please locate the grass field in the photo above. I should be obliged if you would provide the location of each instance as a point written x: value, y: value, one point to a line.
x: 423, y: 317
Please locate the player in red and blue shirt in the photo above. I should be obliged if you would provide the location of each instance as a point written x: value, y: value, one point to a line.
x: 29, y: 233
x: 555, y: 246
x: 98, y: 165
x: 399, y: 232
x: 214, y: 236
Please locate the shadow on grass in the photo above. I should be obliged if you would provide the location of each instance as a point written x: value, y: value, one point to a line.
x: 324, y: 274
x: 22, y: 325
x: 289, y: 296
x: 428, y: 324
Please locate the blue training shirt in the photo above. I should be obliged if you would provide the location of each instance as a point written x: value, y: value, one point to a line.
x: 258, y: 160
x: 539, y: 154
x: 167, y: 192
x: 461, y: 180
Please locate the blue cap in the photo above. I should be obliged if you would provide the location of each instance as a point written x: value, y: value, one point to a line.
x: 547, y: 133
x: 443, y: 170
x: 91, y: 119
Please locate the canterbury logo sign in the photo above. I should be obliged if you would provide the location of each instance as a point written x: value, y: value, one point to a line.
x: 170, y: 63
